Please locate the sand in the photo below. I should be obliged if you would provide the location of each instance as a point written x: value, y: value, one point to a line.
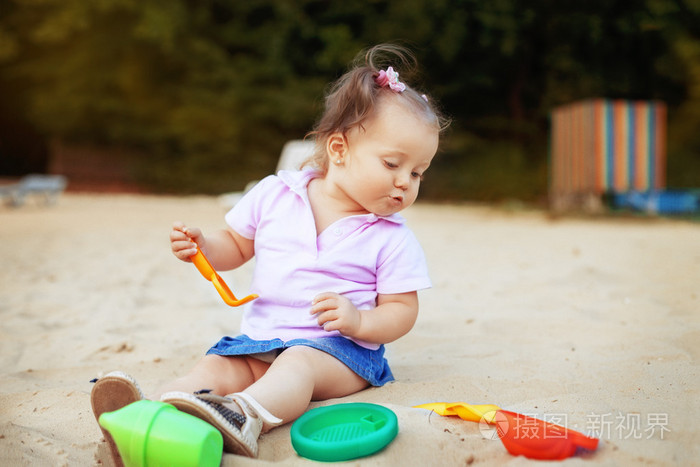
x: 591, y: 323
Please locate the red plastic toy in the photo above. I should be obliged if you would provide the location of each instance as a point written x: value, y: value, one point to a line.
x: 537, y: 439
x: 521, y: 435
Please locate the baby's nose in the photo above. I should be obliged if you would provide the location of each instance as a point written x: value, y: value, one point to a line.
x: 402, y: 180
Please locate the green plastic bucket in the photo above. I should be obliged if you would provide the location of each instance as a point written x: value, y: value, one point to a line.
x: 151, y: 433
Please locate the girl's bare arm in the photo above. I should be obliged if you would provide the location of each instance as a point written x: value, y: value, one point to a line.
x: 225, y: 249
x: 393, y: 317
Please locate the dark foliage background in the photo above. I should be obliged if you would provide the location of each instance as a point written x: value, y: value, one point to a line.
x: 204, y: 93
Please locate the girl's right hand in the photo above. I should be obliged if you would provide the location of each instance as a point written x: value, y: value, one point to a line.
x: 184, y: 241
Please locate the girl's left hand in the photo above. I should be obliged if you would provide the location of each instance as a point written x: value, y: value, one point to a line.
x: 336, y: 313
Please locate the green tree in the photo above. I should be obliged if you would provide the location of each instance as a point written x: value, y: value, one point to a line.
x: 208, y: 92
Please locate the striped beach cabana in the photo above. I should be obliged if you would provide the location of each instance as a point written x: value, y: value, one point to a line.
x: 601, y: 146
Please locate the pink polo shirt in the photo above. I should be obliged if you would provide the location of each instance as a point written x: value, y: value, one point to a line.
x: 357, y: 257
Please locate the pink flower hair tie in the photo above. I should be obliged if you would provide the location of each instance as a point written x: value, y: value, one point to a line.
x: 390, y: 78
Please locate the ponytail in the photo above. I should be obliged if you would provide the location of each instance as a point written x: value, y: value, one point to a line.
x: 354, y: 97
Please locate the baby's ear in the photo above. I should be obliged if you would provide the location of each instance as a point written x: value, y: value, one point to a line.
x: 337, y: 148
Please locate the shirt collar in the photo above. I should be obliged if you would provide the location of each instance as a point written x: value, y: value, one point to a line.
x: 298, y: 181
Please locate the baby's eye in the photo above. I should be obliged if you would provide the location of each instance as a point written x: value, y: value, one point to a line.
x: 390, y: 164
x: 417, y: 175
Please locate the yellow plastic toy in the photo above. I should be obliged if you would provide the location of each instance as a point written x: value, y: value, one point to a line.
x: 469, y: 412
x: 206, y: 269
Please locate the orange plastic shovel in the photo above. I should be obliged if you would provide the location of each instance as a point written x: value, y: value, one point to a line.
x: 210, y: 274
x: 521, y: 435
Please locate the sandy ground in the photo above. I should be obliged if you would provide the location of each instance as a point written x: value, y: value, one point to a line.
x: 593, y: 323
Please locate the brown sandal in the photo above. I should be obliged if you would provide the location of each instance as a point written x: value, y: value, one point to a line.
x: 112, y: 392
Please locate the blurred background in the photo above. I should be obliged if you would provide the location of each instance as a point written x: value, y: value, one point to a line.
x: 199, y: 96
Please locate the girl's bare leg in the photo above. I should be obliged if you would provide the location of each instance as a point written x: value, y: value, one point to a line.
x: 223, y: 375
x: 298, y: 375
x: 301, y: 374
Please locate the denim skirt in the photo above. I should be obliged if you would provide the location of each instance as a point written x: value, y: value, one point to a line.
x: 368, y: 364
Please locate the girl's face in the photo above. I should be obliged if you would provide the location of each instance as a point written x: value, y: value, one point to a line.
x: 385, y: 159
